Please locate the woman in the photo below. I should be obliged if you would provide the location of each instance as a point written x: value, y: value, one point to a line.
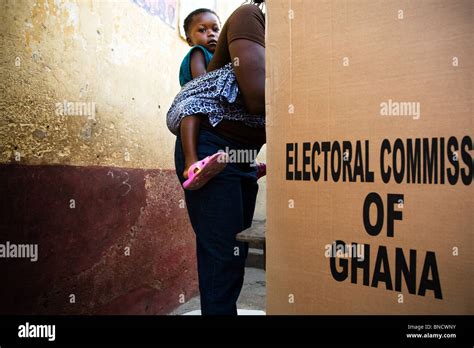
x: 225, y: 205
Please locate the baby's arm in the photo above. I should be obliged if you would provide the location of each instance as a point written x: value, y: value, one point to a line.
x: 190, y: 125
x: 198, y: 63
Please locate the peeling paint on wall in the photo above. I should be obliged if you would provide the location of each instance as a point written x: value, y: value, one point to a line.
x: 62, y: 16
x: 102, y: 52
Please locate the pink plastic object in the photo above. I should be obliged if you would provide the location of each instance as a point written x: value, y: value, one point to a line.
x: 204, y: 170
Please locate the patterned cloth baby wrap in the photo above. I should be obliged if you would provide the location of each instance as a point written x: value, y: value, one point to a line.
x: 216, y: 95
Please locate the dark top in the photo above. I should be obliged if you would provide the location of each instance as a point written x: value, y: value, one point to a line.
x: 246, y: 22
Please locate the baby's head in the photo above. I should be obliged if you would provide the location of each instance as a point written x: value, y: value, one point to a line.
x: 202, y: 27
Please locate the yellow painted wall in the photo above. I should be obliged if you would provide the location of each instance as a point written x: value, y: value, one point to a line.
x: 111, y: 53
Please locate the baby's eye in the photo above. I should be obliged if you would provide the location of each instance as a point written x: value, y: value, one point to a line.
x: 202, y: 30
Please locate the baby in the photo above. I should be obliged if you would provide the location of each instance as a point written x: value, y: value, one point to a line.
x: 202, y: 28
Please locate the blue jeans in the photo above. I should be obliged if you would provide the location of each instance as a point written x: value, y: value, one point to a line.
x: 218, y: 211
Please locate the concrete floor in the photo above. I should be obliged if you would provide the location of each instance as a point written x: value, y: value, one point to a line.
x: 252, y: 297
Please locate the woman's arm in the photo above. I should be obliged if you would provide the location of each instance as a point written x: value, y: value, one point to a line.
x: 198, y: 63
x: 248, y: 59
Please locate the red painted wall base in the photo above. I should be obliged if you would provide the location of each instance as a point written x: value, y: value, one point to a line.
x: 110, y: 241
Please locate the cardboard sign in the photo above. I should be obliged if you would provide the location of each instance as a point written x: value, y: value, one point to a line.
x: 369, y: 135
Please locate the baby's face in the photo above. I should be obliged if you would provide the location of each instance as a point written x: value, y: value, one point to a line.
x: 204, y: 31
